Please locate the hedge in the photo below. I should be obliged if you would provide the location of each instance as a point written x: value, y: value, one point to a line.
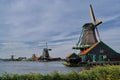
x: 96, y: 73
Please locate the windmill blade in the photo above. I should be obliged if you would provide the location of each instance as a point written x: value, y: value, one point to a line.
x: 95, y: 22
x: 92, y: 15
x: 98, y: 22
x: 98, y: 33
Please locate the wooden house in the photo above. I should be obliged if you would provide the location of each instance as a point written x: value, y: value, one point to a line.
x: 99, y: 51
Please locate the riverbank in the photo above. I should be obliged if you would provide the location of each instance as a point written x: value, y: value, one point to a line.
x: 96, y: 73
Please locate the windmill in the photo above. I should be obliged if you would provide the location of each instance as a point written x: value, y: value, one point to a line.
x: 91, y: 48
x: 88, y: 36
x: 45, y: 53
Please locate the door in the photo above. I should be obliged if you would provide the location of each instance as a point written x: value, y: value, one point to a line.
x: 94, y: 58
x: 100, y: 57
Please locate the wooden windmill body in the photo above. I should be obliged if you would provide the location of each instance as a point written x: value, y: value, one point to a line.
x: 89, y: 36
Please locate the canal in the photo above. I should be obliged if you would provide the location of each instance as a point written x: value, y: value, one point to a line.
x: 35, y: 67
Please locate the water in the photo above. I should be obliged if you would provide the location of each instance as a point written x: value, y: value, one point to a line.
x: 35, y: 67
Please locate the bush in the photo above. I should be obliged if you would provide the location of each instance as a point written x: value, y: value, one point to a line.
x: 95, y: 73
x: 101, y: 73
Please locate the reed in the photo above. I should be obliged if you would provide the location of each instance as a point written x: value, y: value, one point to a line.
x: 96, y: 73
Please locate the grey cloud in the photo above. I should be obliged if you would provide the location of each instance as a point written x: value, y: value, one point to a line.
x: 27, y: 23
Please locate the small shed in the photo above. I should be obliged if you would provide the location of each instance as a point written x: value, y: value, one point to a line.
x: 73, y: 58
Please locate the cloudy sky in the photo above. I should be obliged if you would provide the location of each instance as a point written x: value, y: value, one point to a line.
x: 26, y: 25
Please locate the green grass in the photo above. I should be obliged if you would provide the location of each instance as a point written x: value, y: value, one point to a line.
x: 96, y: 73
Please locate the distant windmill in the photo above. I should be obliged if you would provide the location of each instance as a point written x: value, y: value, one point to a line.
x: 88, y: 36
x: 12, y: 57
x: 45, y: 53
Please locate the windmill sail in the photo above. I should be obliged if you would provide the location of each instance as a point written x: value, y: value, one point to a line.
x: 94, y: 21
x: 92, y: 15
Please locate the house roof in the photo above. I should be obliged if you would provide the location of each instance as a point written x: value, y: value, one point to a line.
x: 87, y: 50
x: 72, y: 55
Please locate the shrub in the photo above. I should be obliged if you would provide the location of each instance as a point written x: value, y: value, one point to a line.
x: 95, y: 73
x: 101, y: 73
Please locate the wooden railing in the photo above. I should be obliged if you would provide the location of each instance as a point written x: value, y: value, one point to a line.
x: 103, y: 63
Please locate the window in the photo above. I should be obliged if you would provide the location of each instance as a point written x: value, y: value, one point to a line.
x: 101, y: 50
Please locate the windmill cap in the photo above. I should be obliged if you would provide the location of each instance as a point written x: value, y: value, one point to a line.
x: 88, y: 25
